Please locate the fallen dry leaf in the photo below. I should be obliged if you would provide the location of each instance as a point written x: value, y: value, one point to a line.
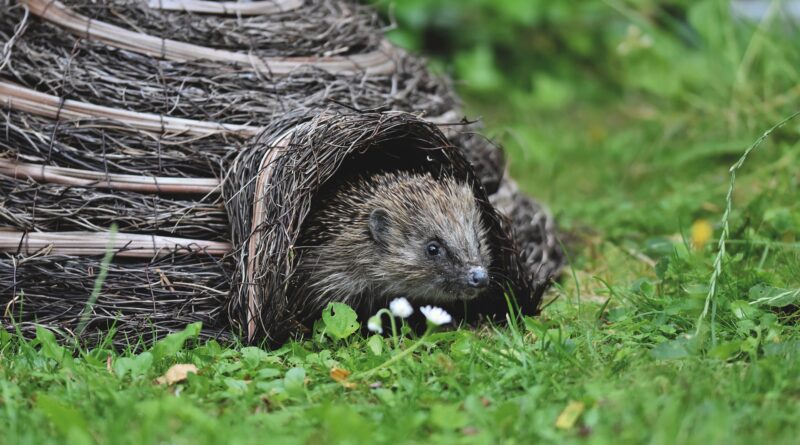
x: 109, y: 364
x: 570, y: 415
x: 176, y: 373
x: 339, y: 374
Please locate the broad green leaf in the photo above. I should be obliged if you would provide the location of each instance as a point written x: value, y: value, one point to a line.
x: 761, y: 294
x: 268, y: 373
x: 375, y: 344
x: 295, y: 381
x: 726, y: 350
x: 340, y: 321
x: 672, y: 349
x: 173, y: 343
x: 462, y: 346
x: 252, y: 356
x: 50, y: 347
x: 743, y: 310
x: 236, y: 386
x: 5, y: 337
x: 137, y: 366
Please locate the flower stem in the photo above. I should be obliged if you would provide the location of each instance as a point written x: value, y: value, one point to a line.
x: 399, y: 356
x: 394, y: 326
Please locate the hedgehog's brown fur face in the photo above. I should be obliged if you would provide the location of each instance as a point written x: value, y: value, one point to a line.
x: 400, y: 235
x: 431, y: 239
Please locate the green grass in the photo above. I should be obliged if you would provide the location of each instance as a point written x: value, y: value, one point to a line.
x: 628, y: 172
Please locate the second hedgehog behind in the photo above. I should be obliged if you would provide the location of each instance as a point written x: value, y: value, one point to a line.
x: 393, y: 235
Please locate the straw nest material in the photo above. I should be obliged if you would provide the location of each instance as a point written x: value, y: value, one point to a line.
x: 223, y: 91
x: 206, y: 131
x: 230, y: 93
x: 311, y: 28
x: 140, y: 300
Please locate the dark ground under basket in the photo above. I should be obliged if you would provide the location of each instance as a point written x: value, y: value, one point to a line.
x: 171, y: 149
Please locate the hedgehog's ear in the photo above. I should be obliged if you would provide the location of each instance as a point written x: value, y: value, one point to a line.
x: 379, y: 225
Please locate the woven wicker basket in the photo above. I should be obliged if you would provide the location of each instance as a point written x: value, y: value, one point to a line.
x: 204, y: 131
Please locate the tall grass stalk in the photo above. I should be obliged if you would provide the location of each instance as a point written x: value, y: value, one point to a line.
x: 711, y: 302
x: 98, y: 282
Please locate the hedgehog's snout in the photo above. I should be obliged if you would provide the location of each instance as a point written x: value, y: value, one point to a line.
x: 477, y: 277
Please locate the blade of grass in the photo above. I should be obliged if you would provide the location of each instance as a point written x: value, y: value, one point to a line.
x: 98, y: 282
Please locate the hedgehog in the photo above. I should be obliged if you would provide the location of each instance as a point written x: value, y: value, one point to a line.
x: 393, y: 234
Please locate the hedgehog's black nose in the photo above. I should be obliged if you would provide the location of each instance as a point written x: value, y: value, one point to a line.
x: 477, y: 277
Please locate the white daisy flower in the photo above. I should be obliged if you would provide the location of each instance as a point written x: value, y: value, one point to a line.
x: 374, y: 324
x: 436, y: 315
x: 400, y: 307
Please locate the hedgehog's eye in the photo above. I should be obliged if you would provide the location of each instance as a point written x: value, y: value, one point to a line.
x: 433, y: 248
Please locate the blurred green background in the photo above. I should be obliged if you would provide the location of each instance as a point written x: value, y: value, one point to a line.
x: 556, y: 53
x: 624, y: 117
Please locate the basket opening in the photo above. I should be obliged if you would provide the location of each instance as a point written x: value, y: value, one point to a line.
x: 402, y: 154
x: 415, y: 155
